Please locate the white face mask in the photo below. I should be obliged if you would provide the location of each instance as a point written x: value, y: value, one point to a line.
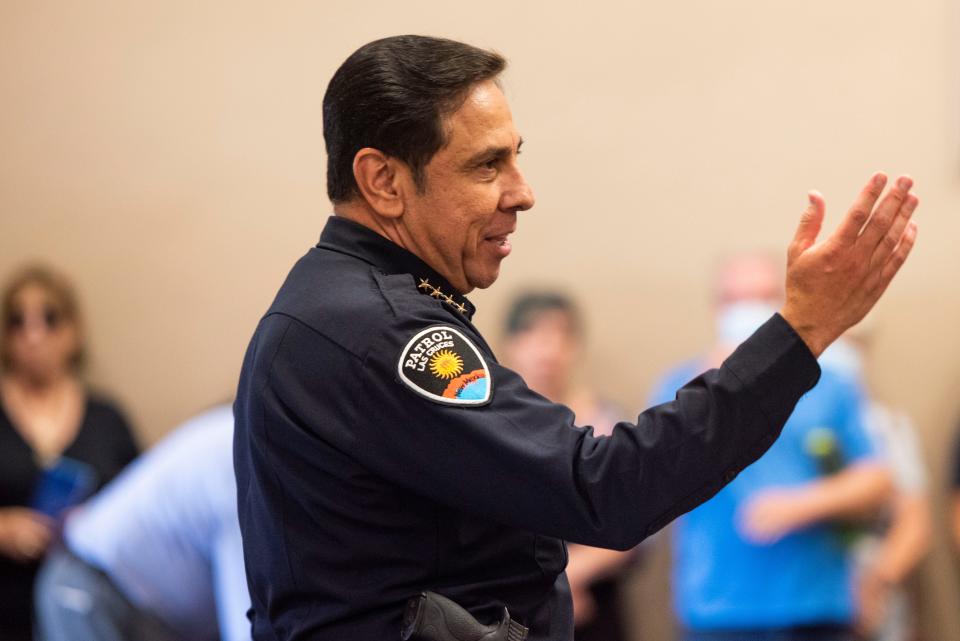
x: 843, y: 358
x: 737, y: 321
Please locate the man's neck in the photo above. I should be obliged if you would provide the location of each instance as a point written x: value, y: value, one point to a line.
x: 389, y: 228
x: 395, y: 231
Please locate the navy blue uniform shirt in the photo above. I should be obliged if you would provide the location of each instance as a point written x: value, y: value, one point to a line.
x: 380, y: 450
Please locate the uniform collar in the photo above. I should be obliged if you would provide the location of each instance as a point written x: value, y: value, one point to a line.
x: 348, y: 237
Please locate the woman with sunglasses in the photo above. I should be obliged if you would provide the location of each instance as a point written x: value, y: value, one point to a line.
x: 58, y: 442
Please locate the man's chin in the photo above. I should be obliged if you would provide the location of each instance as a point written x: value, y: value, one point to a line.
x: 485, y: 279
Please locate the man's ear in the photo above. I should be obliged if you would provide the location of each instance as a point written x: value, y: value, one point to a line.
x: 382, y: 181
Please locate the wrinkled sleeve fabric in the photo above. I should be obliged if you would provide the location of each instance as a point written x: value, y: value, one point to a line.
x: 520, y: 460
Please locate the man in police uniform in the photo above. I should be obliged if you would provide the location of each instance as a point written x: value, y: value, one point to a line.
x: 382, y: 452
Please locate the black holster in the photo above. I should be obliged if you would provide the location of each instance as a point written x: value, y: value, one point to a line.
x: 431, y: 617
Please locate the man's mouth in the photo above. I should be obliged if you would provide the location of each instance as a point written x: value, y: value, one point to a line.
x: 501, y: 242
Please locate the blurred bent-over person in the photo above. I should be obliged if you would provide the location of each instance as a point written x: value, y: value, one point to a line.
x: 770, y: 557
x: 544, y: 341
x: 59, y: 442
x: 157, y: 555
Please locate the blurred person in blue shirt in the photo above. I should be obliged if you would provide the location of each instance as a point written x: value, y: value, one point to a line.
x: 156, y: 556
x: 769, y: 557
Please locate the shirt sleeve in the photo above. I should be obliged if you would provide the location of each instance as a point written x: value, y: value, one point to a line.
x: 895, y: 438
x: 519, y: 459
x: 907, y: 459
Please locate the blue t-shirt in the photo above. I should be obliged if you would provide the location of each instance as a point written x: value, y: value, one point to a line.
x: 723, y: 581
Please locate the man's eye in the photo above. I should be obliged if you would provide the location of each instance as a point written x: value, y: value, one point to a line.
x: 490, y: 167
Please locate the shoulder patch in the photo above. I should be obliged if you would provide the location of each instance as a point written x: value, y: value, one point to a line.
x: 443, y: 365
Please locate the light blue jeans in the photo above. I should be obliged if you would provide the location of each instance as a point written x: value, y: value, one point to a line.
x: 76, y: 602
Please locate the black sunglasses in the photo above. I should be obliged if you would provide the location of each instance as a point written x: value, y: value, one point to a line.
x: 52, y: 318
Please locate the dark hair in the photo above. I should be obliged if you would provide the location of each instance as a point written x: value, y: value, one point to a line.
x: 528, y: 308
x: 392, y: 95
x: 57, y: 287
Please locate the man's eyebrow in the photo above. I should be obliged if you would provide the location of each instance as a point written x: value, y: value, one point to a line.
x: 491, y: 154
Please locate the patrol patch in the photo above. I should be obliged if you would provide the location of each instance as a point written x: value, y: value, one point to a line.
x: 442, y: 365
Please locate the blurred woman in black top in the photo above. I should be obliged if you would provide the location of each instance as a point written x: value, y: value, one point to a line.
x: 58, y: 442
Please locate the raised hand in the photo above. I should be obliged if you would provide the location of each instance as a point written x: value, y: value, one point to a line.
x: 832, y: 284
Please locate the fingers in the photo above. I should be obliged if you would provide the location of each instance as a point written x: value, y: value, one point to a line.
x: 36, y: 538
x: 892, y: 238
x: 900, y: 254
x: 894, y: 262
x: 35, y: 546
x: 858, y: 215
x: 41, y: 519
x: 765, y: 518
x: 885, y: 215
x: 810, y: 223
x: 30, y: 542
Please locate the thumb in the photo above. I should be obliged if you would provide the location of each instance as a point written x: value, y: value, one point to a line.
x: 810, y: 222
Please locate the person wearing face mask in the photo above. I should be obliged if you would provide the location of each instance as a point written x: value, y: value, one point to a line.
x: 770, y: 556
x: 889, y: 552
x: 58, y: 441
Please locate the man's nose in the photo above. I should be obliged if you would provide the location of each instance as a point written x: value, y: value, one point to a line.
x: 518, y: 196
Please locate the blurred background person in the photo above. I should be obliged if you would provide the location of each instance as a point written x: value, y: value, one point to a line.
x: 59, y: 442
x: 955, y: 493
x: 544, y: 341
x: 770, y: 556
x: 889, y: 552
x: 157, y: 555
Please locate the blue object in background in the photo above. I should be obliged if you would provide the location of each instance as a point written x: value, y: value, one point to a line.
x: 63, y: 485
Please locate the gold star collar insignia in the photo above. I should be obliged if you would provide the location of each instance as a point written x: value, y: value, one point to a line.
x: 436, y: 292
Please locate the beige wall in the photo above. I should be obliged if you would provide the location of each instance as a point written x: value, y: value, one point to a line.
x: 169, y: 156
